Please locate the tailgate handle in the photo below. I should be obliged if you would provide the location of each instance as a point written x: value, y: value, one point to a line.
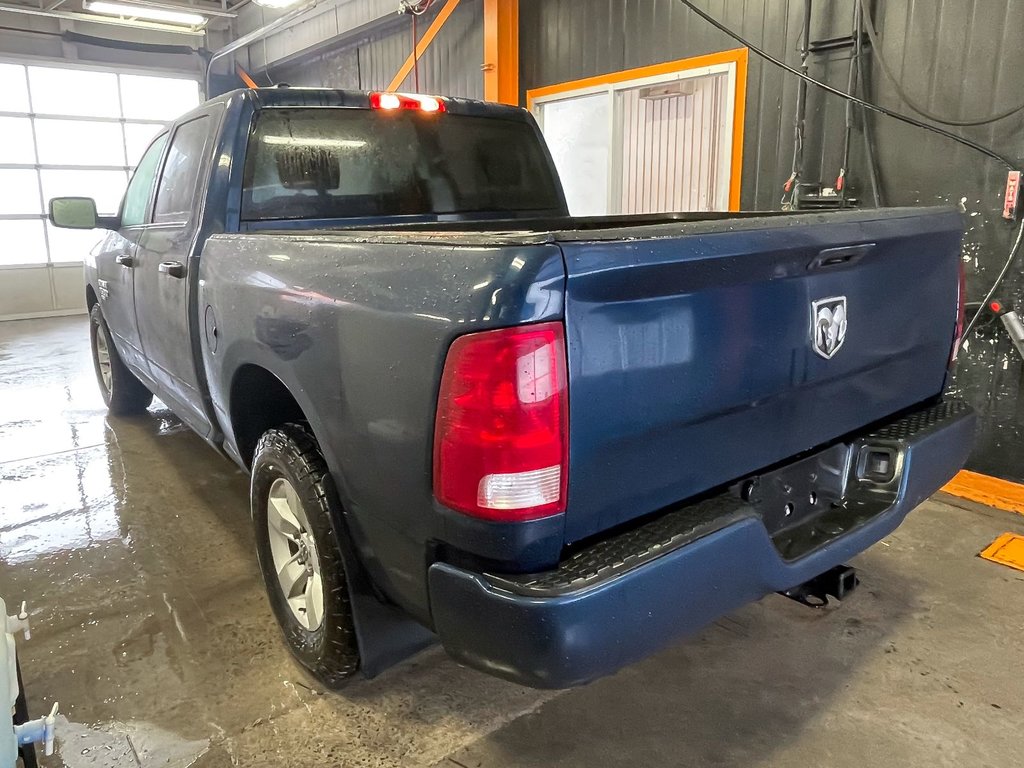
x: 842, y: 256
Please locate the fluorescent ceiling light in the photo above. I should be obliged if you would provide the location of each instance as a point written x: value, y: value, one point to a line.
x: 146, y: 12
x: 276, y: 3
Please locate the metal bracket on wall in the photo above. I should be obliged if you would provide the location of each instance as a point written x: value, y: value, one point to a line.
x: 838, y: 43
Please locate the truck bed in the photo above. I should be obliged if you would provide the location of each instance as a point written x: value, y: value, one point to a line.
x: 690, y: 363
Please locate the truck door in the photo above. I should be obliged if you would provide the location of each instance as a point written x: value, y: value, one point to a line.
x: 162, y: 275
x: 115, y: 260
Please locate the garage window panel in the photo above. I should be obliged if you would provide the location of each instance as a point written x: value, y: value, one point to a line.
x: 23, y: 242
x: 13, y: 88
x: 16, y: 142
x: 19, y: 191
x: 157, y: 98
x: 71, y: 245
x: 61, y: 142
x: 75, y: 131
x: 103, y: 186
x: 137, y: 136
x: 80, y: 92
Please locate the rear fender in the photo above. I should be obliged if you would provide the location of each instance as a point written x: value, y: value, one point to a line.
x: 386, y: 635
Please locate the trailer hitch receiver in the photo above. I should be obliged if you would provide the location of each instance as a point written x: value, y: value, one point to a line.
x: 836, y: 582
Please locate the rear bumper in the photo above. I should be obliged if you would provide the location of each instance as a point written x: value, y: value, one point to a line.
x: 628, y: 597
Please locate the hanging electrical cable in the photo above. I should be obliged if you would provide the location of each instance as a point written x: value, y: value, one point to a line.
x: 415, y: 8
x: 995, y: 285
x: 876, y: 49
x: 896, y: 116
x: 869, y: 146
x: 836, y: 92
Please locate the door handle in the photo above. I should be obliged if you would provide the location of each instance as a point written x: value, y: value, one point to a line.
x: 172, y: 268
x: 125, y: 260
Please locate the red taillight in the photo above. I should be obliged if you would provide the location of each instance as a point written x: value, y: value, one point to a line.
x: 385, y: 100
x: 501, y: 439
x: 961, y: 301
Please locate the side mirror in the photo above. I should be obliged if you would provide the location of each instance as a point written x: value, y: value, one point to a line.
x: 76, y: 213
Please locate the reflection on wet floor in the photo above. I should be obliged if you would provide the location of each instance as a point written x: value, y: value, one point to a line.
x: 130, y: 539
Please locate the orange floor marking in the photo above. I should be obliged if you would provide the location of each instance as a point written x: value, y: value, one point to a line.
x: 1001, y: 494
x: 1008, y: 549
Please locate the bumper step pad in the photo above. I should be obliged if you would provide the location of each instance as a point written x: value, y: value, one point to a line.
x: 683, y: 524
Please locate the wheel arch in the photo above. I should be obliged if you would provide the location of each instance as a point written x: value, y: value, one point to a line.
x: 259, y: 400
x: 90, y: 298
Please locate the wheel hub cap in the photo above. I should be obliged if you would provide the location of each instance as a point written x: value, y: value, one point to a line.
x: 295, y: 557
x: 103, y: 357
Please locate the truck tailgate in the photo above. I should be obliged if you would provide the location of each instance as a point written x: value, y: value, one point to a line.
x: 691, y: 362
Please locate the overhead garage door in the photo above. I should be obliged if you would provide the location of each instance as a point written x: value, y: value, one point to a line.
x: 68, y: 131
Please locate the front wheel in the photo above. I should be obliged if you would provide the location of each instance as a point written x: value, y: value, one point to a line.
x: 294, y: 513
x: 123, y: 394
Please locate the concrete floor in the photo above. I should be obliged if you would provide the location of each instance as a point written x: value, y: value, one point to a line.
x: 131, y: 541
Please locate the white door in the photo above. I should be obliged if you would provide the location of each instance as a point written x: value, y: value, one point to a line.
x: 650, y: 145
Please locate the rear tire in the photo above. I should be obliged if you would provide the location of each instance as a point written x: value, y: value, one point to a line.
x: 294, y: 510
x: 122, y: 392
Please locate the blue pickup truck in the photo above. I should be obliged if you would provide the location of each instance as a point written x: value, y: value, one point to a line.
x: 554, y: 443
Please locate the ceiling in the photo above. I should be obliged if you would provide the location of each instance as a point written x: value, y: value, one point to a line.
x: 157, y: 15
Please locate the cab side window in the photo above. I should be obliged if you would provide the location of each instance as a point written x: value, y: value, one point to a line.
x: 136, y: 197
x: 176, y: 191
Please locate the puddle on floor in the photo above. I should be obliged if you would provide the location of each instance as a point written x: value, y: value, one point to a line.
x: 124, y: 745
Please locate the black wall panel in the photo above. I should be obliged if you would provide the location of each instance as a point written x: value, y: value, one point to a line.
x: 959, y: 58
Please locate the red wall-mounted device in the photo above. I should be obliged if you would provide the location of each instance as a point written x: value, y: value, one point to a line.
x: 1011, y: 196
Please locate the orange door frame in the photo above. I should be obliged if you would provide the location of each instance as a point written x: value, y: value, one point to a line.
x: 737, y: 56
x: 423, y: 44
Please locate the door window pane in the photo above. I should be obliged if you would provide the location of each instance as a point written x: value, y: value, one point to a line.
x: 79, y: 142
x: 59, y: 91
x: 19, y: 192
x: 72, y: 244
x: 137, y: 137
x: 157, y: 98
x: 137, y: 196
x: 16, y: 139
x: 13, y: 88
x: 105, y: 187
x: 176, y: 191
x: 23, y: 242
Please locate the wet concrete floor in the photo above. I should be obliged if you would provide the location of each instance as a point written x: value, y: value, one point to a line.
x: 130, y: 540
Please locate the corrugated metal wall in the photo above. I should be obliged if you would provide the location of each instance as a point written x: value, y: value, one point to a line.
x: 960, y: 57
x: 657, y: 174
x: 450, y: 66
x: 330, y: 19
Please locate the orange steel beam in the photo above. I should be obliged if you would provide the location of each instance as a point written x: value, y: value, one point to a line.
x: 249, y: 82
x: 501, y: 51
x: 424, y: 43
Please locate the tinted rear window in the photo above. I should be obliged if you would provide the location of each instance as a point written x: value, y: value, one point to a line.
x: 338, y: 163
